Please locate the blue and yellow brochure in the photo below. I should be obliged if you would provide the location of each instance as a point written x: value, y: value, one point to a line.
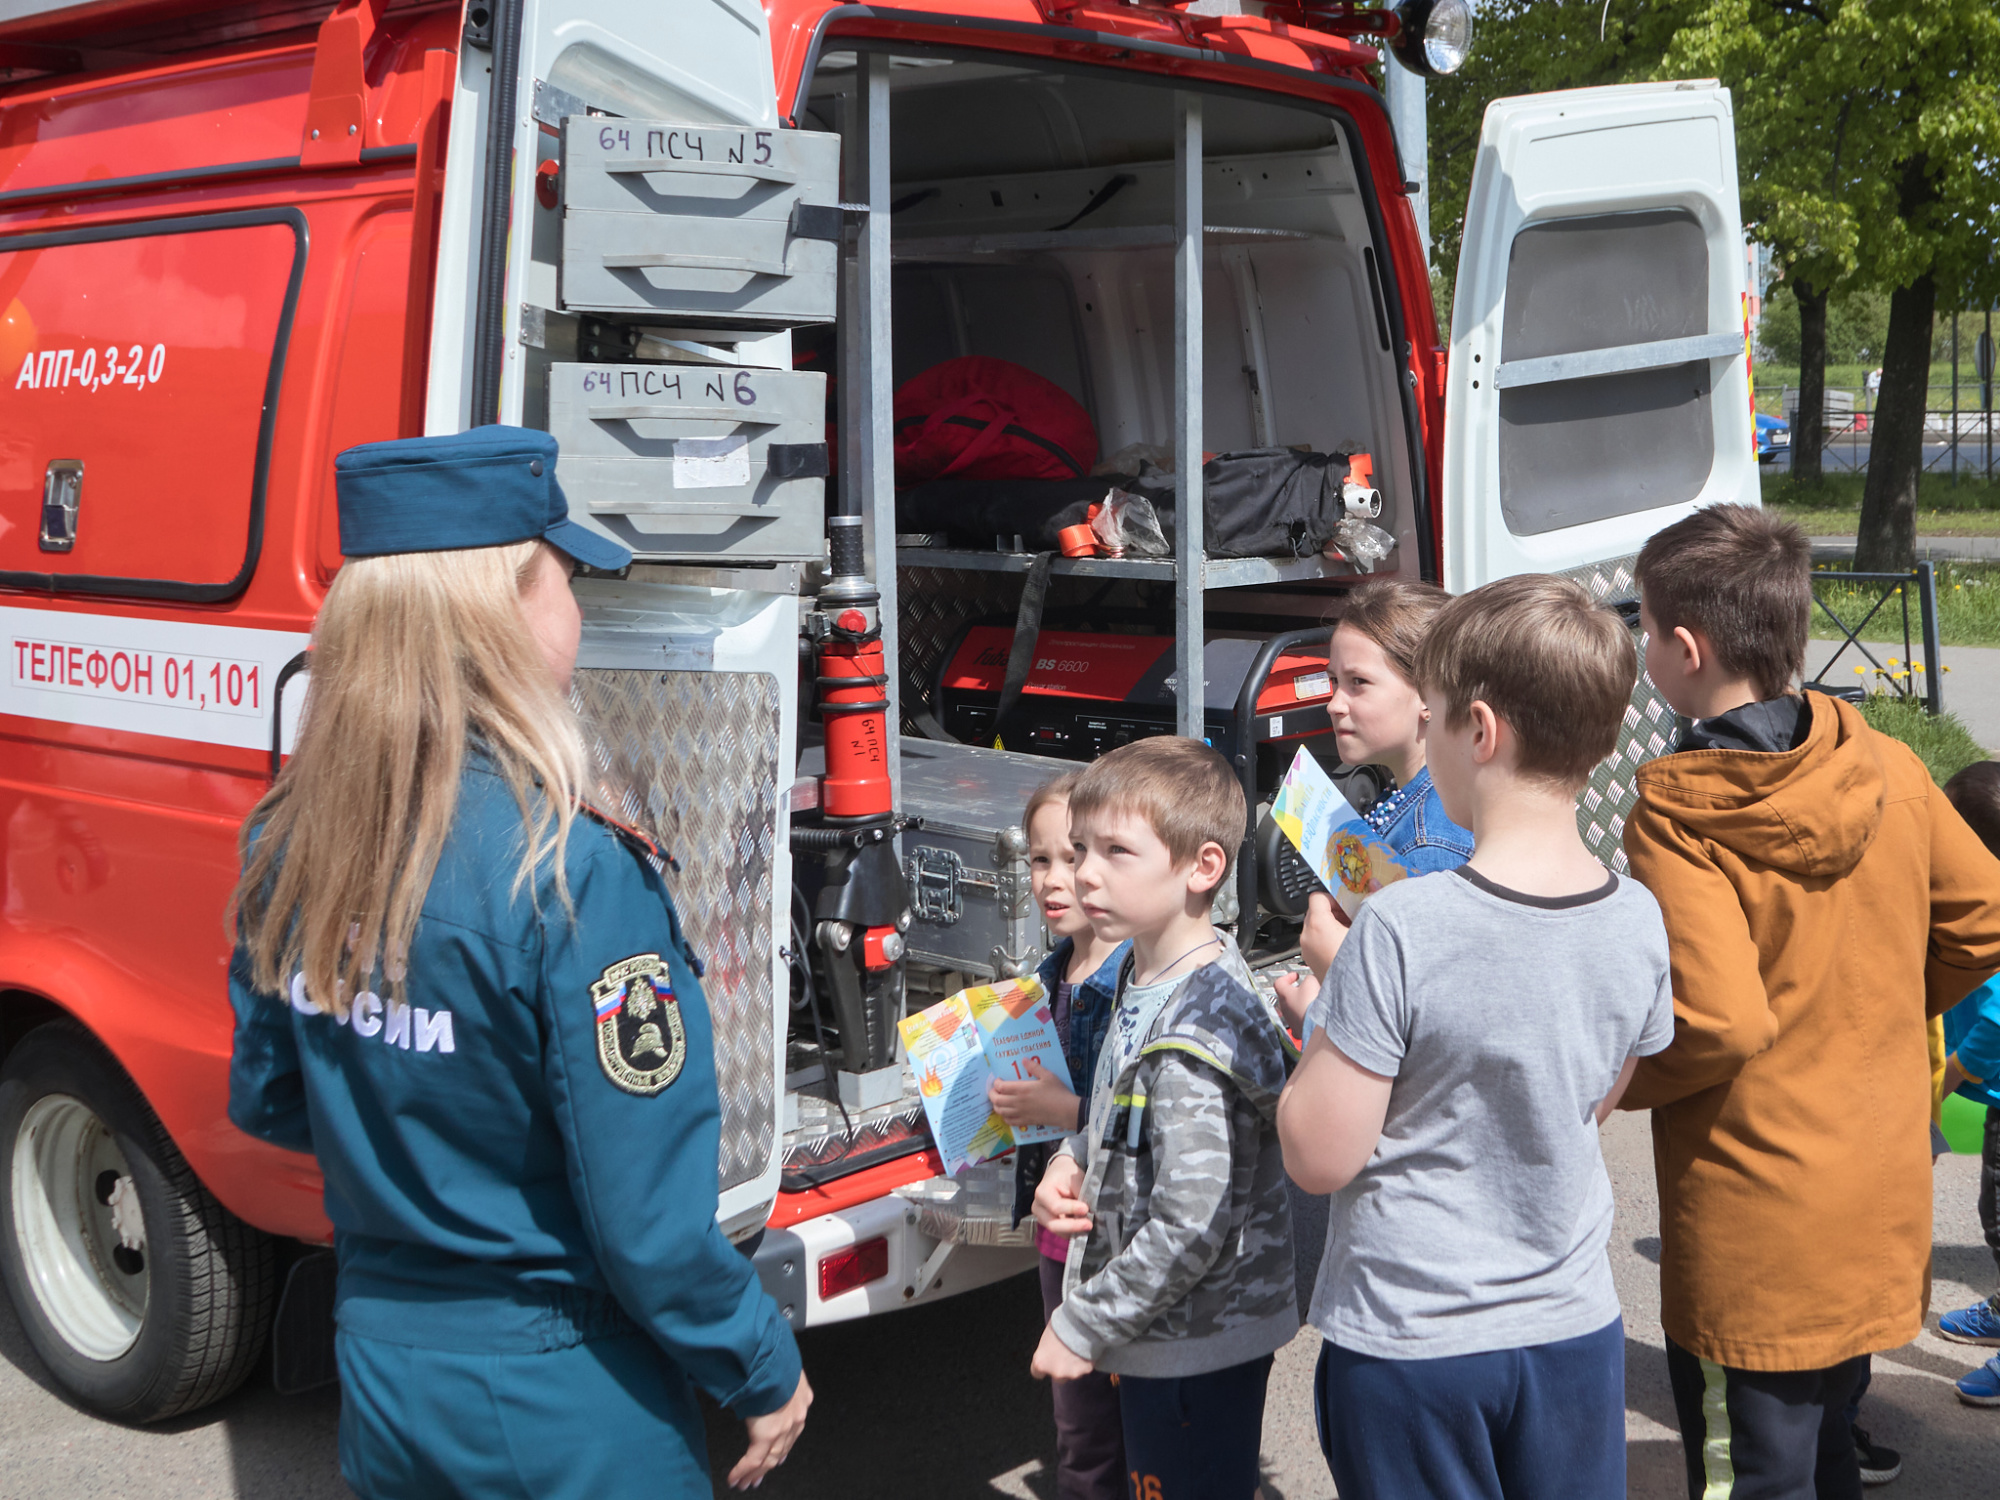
x: 960, y: 1045
x: 1349, y: 857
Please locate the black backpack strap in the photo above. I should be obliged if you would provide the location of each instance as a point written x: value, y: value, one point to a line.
x: 1027, y: 635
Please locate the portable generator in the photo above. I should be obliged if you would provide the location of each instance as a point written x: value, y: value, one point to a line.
x: 1088, y: 693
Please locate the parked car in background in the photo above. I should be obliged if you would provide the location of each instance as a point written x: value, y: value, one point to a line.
x: 1774, y: 436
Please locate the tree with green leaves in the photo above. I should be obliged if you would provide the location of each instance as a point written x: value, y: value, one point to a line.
x: 1527, y: 47
x: 1868, y: 137
x: 1795, y: 149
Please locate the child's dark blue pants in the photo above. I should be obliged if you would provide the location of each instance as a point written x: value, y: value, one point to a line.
x: 1194, y: 1437
x: 1545, y: 1421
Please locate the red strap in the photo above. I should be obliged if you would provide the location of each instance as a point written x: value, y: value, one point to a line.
x: 995, y: 426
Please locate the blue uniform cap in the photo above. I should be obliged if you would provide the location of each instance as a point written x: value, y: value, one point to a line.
x: 483, y: 488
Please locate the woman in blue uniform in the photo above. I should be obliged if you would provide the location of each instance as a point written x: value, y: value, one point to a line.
x: 471, y: 999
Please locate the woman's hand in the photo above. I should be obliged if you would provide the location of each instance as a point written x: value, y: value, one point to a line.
x: 1058, y: 1209
x: 771, y: 1438
x: 1055, y: 1360
x: 1325, y: 930
x: 1296, y: 993
x: 1043, y: 1099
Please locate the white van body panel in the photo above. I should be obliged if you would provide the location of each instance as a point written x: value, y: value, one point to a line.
x: 1547, y: 397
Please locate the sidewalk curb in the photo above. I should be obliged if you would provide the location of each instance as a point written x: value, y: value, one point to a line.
x: 1929, y: 548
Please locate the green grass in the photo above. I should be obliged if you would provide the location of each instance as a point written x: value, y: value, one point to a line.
x: 1771, y: 380
x: 1832, y: 506
x: 1968, y: 607
x: 1940, y: 523
x: 1944, y: 744
x: 1840, y: 493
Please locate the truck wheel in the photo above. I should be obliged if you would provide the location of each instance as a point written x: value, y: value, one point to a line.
x: 145, y: 1297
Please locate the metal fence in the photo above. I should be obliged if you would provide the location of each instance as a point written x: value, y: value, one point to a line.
x: 1923, y: 685
x: 1959, y: 438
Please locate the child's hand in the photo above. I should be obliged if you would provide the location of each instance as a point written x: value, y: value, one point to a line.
x: 1058, y: 1209
x: 1041, y: 1100
x: 1954, y: 1075
x: 1324, y: 932
x: 1296, y: 993
x: 1055, y: 1360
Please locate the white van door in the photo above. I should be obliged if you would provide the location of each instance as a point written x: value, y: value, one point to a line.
x: 1598, y: 387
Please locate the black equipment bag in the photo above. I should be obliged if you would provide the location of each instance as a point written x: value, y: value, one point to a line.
x: 1263, y: 502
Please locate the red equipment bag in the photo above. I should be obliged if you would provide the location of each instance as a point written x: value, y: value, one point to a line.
x: 981, y: 418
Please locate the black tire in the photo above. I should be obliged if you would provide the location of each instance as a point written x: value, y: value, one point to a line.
x: 206, y: 1280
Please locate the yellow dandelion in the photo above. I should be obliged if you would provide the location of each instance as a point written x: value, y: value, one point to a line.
x: 1895, y: 661
x: 1860, y: 671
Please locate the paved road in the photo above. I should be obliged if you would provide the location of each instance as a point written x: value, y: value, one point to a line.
x: 1841, y: 457
x: 936, y: 1401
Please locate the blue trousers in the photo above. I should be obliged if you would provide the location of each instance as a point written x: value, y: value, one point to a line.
x: 1542, y: 1423
x: 1194, y: 1437
x: 603, y: 1420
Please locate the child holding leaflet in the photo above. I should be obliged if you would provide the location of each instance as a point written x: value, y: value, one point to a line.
x: 1080, y: 976
x: 1379, y: 719
x: 1471, y: 1035
x: 1183, y: 1284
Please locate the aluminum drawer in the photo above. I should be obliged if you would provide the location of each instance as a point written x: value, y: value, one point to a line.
x: 694, y: 460
x: 705, y: 223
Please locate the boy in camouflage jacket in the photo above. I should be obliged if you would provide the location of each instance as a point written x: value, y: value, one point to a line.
x: 1180, y: 1276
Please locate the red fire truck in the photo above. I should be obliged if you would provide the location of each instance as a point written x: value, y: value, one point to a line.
x: 703, y: 243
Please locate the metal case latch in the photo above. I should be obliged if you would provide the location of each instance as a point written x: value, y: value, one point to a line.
x: 62, y: 493
x: 934, y: 878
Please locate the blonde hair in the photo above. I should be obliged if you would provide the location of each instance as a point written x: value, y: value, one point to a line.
x: 1184, y: 790
x: 1544, y: 656
x: 415, y: 655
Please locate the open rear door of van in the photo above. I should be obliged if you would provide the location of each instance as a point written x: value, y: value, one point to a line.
x: 1598, y: 387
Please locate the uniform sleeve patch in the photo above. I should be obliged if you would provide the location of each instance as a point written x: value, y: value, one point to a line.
x: 640, y: 1040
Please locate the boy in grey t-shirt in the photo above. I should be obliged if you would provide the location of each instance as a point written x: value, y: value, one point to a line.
x: 1473, y: 1031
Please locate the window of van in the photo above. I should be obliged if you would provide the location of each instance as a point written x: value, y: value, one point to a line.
x: 1582, y: 450
x: 142, y: 364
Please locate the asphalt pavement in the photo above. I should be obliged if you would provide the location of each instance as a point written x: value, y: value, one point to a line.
x: 1842, y: 456
x: 936, y: 1402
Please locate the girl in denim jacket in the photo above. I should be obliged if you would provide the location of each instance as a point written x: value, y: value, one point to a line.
x: 1379, y: 719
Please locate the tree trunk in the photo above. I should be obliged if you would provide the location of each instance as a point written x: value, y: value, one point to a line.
x: 1809, y: 433
x: 1888, y: 537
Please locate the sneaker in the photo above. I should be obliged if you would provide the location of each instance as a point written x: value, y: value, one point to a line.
x: 1879, y: 1465
x: 1982, y: 1386
x: 1977, y: 1324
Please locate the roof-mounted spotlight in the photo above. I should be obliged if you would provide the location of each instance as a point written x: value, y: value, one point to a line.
x: 1431, y: 37
x: 1435, y: 36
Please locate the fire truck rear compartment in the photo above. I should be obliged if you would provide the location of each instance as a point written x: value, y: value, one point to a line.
x: 1033, y: 221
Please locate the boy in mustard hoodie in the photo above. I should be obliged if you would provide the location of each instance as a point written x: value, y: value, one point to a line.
x: 1822, y: 899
